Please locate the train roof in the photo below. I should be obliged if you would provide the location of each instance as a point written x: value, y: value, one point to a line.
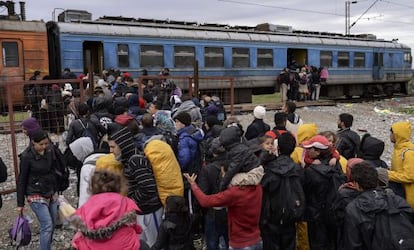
x: 121, y: 26
x: 13, y: 25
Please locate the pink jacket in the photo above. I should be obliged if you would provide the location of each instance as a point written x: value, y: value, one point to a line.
x: 324, y: 73
x: 107, y: 212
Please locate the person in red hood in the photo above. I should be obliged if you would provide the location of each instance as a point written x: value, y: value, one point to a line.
x: 108, y: 220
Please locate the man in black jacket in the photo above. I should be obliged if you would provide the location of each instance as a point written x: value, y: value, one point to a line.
x: 348, y: 140
x: 377, y: 218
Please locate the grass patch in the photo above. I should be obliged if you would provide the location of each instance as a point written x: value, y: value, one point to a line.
x: 266, y: 99
x: 407, y: 110
x: 18, y: 117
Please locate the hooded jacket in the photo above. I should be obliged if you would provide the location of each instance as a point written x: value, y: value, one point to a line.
x: 360, y: 215
x: 305, y: 132
x: 402, y: 161
x: 85, y: 175
x: 256, y: 129
x: 107, y: 221
x: 239, y: 155
x: 188, y: 139
x: 348, y: 143
x: 125, y: 140
x: 189, y: 107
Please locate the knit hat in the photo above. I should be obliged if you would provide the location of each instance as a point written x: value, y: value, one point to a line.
x: 382, y: 177
x: 350, y: 164
x: 109, y: 163
x: 31, y: 125
x: 318, y: 141
x: 184, y: 118
x: 259, y: 112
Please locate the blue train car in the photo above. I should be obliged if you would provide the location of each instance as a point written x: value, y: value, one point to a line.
x: 253, y: 55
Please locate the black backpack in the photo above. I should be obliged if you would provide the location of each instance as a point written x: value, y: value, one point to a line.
x: 334, y: 179
x: 393, y: 229
x: 221, y: 111
x: 287, y: 203
x: 87, y: 133
x: 61, y: 169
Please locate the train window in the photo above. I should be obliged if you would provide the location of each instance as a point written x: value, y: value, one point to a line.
x: 326, y: 59
x: 359, y: 60
x: 213, y: 57
x: 240, y: 57
x: 184, y: 56
x: 264, y: 58
x: 407, y: 57
x: 123, y: 56
x: 152, y: 56
x: 10, y: 54
x: 343, y: 59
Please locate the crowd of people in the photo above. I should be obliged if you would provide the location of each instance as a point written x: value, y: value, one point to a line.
x: 158, y: 175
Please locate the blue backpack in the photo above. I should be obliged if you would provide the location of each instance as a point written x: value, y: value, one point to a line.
x: 20, y: 232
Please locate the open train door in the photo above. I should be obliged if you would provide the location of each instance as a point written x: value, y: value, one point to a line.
x: 93, y: 60
x: 378, y: 65
x: 300, y: 56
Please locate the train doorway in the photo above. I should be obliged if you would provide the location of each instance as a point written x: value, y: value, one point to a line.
x: 297, y: 56
x: 378, y: 66
x: 93, y: 57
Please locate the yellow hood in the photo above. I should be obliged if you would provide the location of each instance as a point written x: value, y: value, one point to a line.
x: 402, y: 132
x: 306, y: 132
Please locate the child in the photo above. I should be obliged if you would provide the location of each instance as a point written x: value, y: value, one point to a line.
x: 335, y: 155
x: 108, y: 219
x: 240, y: 158
x: 175, y: 230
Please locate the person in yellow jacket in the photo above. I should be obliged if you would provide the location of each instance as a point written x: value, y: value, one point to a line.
x: 305, y: 132
x: 402, y: 161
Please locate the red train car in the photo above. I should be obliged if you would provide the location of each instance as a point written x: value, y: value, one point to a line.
x: 23, y: 51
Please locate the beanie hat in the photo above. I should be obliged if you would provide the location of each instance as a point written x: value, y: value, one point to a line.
x: 350, y: 164
x: 259, y: 112
x: 109, y: 163
x: 382, y: 177
x: 31, y: 125
x: 212, y: 120
x: 184, y: 118
x: 318, y: 141
x: 125, y: 140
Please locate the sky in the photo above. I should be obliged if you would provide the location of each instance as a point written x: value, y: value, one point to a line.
x: 387, y: 19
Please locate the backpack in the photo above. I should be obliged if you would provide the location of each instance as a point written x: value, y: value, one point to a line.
x: 171, y: 139
x: 288, y: 205
x: 392, y: 228
x: 221, y: 111
x: 61, y: 170
x: 20, y: 232
x: 304, y: 79
x: 334, y: 179
x: 87, y: 133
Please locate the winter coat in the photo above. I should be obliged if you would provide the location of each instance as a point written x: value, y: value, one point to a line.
x: 86, y: 173
x: 256, y: 129
x: 166, y: 169
x: 188, y: 139
x: 107, y: 221
x: 36, y: 174
x: 360, y: 216
x: 244, y: 206
x: 348, y: 143
x: 210, y: 176
x: 241, y: 159
x: 174, y: 233
x: 402, y: 161
x: 371, y: 148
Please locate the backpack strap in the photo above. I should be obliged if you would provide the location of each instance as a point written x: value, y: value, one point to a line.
x: 405, y: 151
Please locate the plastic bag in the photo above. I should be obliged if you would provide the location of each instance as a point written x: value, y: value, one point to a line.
x: 65, y: 209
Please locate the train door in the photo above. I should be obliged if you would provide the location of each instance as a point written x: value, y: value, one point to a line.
x: 11, y: 69
x: 378, y: 67
x: 300, y: 56
x: 93, y: 57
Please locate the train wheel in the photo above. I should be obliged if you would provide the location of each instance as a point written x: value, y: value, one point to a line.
x: 389, y: 91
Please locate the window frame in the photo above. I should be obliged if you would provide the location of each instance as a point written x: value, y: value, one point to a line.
x: 7, y: 63
x: 343, y: 56
x: 264, y: 56
x: 358, y: 62
x: 326, y: 55
x: 185, y: 61
x: 210, y: 55
x: 244, y: 56
x: 122, y: 56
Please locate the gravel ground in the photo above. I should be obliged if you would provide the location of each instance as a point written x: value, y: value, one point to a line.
x: 377, y: 123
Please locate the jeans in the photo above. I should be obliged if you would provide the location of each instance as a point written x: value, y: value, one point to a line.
x: 46, y: 215
x: 256, y: 246
x: 150, y: 224
x: 214, y: 230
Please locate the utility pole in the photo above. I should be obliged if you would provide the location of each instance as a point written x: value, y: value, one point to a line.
x: 348, y: 16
